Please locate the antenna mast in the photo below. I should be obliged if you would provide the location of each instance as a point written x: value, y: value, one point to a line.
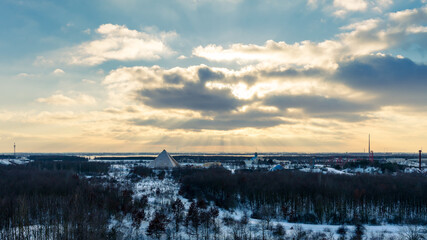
x: 369, y: 143
x: 371, y: 153
x: 14, y: 149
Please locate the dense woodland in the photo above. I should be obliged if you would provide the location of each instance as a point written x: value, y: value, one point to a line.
x: 78, y: 167
x: 49, y: 203
x: 312, y: 197
x: 52, y: 157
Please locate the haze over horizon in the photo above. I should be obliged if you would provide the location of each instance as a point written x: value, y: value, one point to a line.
x: 213, y: 76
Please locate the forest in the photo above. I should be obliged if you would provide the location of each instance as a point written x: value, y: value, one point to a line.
x: 50, y: 200
x: 303, y: 197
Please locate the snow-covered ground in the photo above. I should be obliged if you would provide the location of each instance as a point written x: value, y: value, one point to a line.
x: 324, y: 170
x: 415, y: 170
x: 16, y: 161
x: 160, y: 191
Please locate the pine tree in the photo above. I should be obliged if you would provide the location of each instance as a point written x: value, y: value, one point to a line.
x: 157, y: 225
x: 178, y: 213
x: 192, y: 221
x: 342, y: 231
x: 359, y: 231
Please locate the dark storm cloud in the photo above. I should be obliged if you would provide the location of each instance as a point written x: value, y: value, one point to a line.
x: 394, y: 81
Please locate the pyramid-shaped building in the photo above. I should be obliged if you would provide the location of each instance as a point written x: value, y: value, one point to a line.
x: 164, y: 160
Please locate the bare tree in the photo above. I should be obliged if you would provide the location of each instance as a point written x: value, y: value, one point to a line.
x: 414, y: 233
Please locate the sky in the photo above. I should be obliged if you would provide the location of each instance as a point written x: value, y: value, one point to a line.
x: 213, y: 76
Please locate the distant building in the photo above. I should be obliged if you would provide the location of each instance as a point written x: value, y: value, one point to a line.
x: 396, y: 160
x: 282, y: 162
x: 254, y: 160
x: 164, y: 160
x: 278, y: 167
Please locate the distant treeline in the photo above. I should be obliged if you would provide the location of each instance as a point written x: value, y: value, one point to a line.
x: 300, y: 158
x: 7, y: 157
x: 383, y: 166
x: 56, y: 158
x: 124, y: 158
x: 312, y: 197
x: 293, y: 158
x: 214, y: 158
x: 80, y: 167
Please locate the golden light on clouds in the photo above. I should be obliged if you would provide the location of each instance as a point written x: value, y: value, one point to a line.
x: 201, y: 88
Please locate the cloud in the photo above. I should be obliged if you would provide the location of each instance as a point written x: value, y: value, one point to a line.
x: 42, y: 61
x: 24, y: 75
x: 88, y: 81
x: 323, y: 107
x: 128, y: 109
x: 312, y: 3
x: 193, y: 4
x: 352, y: 5
x: 117, y: 42
x: 202, y: 97
x: 341, y: 8
x: 251, y: 118
x: 62, y: 100
x: 304, y: 53
x: 58, y: 71
x: 394, y: 80
x: 185, y: 98
x: 163, y: 85
x: 52, y: 117
x: 206, y: 98
x: 358, y: 39
x: 212, y: 124
x: 194, y: 96
x: 176, y: 88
